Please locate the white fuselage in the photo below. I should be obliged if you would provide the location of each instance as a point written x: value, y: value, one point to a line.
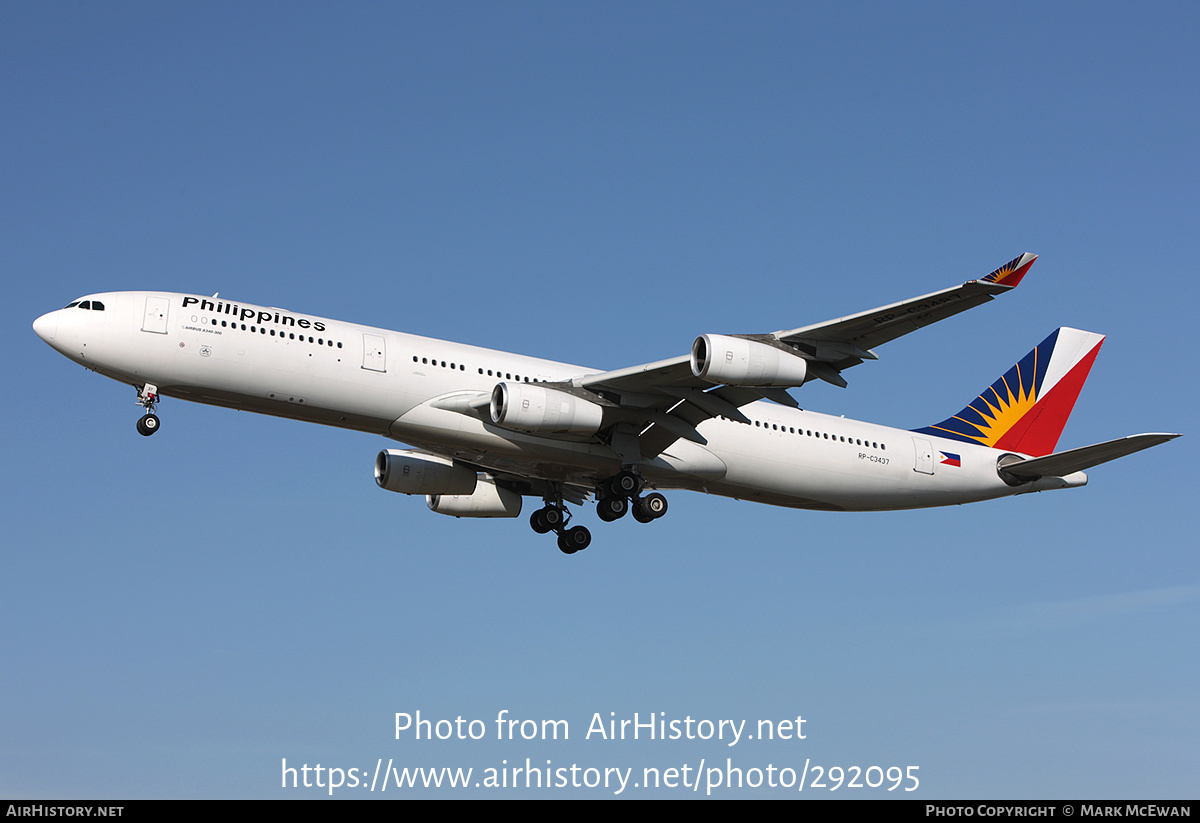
x: 419, y: 391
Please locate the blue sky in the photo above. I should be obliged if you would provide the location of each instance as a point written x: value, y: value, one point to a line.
x: 597, y: 183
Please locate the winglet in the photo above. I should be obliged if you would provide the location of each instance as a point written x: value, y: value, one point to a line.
x: 1010, y: 273
x: 1026, y: 409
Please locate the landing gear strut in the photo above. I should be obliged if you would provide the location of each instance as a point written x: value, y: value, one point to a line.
x: 147, y: 397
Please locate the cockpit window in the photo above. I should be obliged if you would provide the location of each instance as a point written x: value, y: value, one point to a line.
x: 71, y: 305
x: 97, y: 305
x: 86, y: 304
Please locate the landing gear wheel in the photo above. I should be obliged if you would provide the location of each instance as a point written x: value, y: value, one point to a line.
x: 654, y: 505
x: 625, y: 484
x: 147, y: 425
x: 546, y: 520
x: 553, y: 517
x: 650, y: 507
x: 574, y: 540
x: 612, y: 508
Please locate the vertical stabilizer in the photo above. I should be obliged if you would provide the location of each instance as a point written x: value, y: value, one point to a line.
x: 1026, y: 409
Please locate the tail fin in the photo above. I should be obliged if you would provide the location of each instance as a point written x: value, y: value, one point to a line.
x: 1026, y: 409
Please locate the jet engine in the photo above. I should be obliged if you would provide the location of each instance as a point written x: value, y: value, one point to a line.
x: 533, y: 408
x: 488, y: 500
x: 411, y: 472
x: 736, y: 361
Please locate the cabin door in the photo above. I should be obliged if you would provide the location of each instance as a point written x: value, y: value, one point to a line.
x: 155, y: 318
x: 374, y: 353
x: 924, y: 449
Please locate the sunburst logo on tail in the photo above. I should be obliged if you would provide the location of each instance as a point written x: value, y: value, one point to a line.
x: 1026, y: 409
x: 1010, y: 273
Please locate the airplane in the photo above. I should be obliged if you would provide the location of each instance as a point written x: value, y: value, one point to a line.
x: 489, y: 428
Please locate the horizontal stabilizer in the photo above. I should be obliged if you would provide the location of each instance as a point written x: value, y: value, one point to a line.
x: 1075, y: 460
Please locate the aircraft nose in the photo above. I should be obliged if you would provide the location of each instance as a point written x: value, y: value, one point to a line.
x: 46, y: 326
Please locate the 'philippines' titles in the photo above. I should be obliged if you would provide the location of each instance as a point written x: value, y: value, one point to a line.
x: 253, y: 314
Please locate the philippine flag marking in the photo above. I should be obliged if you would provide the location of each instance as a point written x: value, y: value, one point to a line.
x: 950, y: 459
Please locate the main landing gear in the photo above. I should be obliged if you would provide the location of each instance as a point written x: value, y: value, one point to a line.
x: 147, y: 397
x: 616, y: 496
x: 622, y: 493
x: 554, y: 518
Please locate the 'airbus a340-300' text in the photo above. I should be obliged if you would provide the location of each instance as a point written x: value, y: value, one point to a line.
x: 489, y: 428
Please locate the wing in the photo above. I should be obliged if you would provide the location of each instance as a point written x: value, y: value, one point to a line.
x: 673, y: 400
x: 828, y: 347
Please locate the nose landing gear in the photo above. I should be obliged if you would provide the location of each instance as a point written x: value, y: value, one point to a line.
x: 147, y: 398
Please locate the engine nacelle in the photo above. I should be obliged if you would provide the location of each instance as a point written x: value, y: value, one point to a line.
x: 488, y: 500
x: 533, y: 408
x: 412, y: 473
x: 719, y: 358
